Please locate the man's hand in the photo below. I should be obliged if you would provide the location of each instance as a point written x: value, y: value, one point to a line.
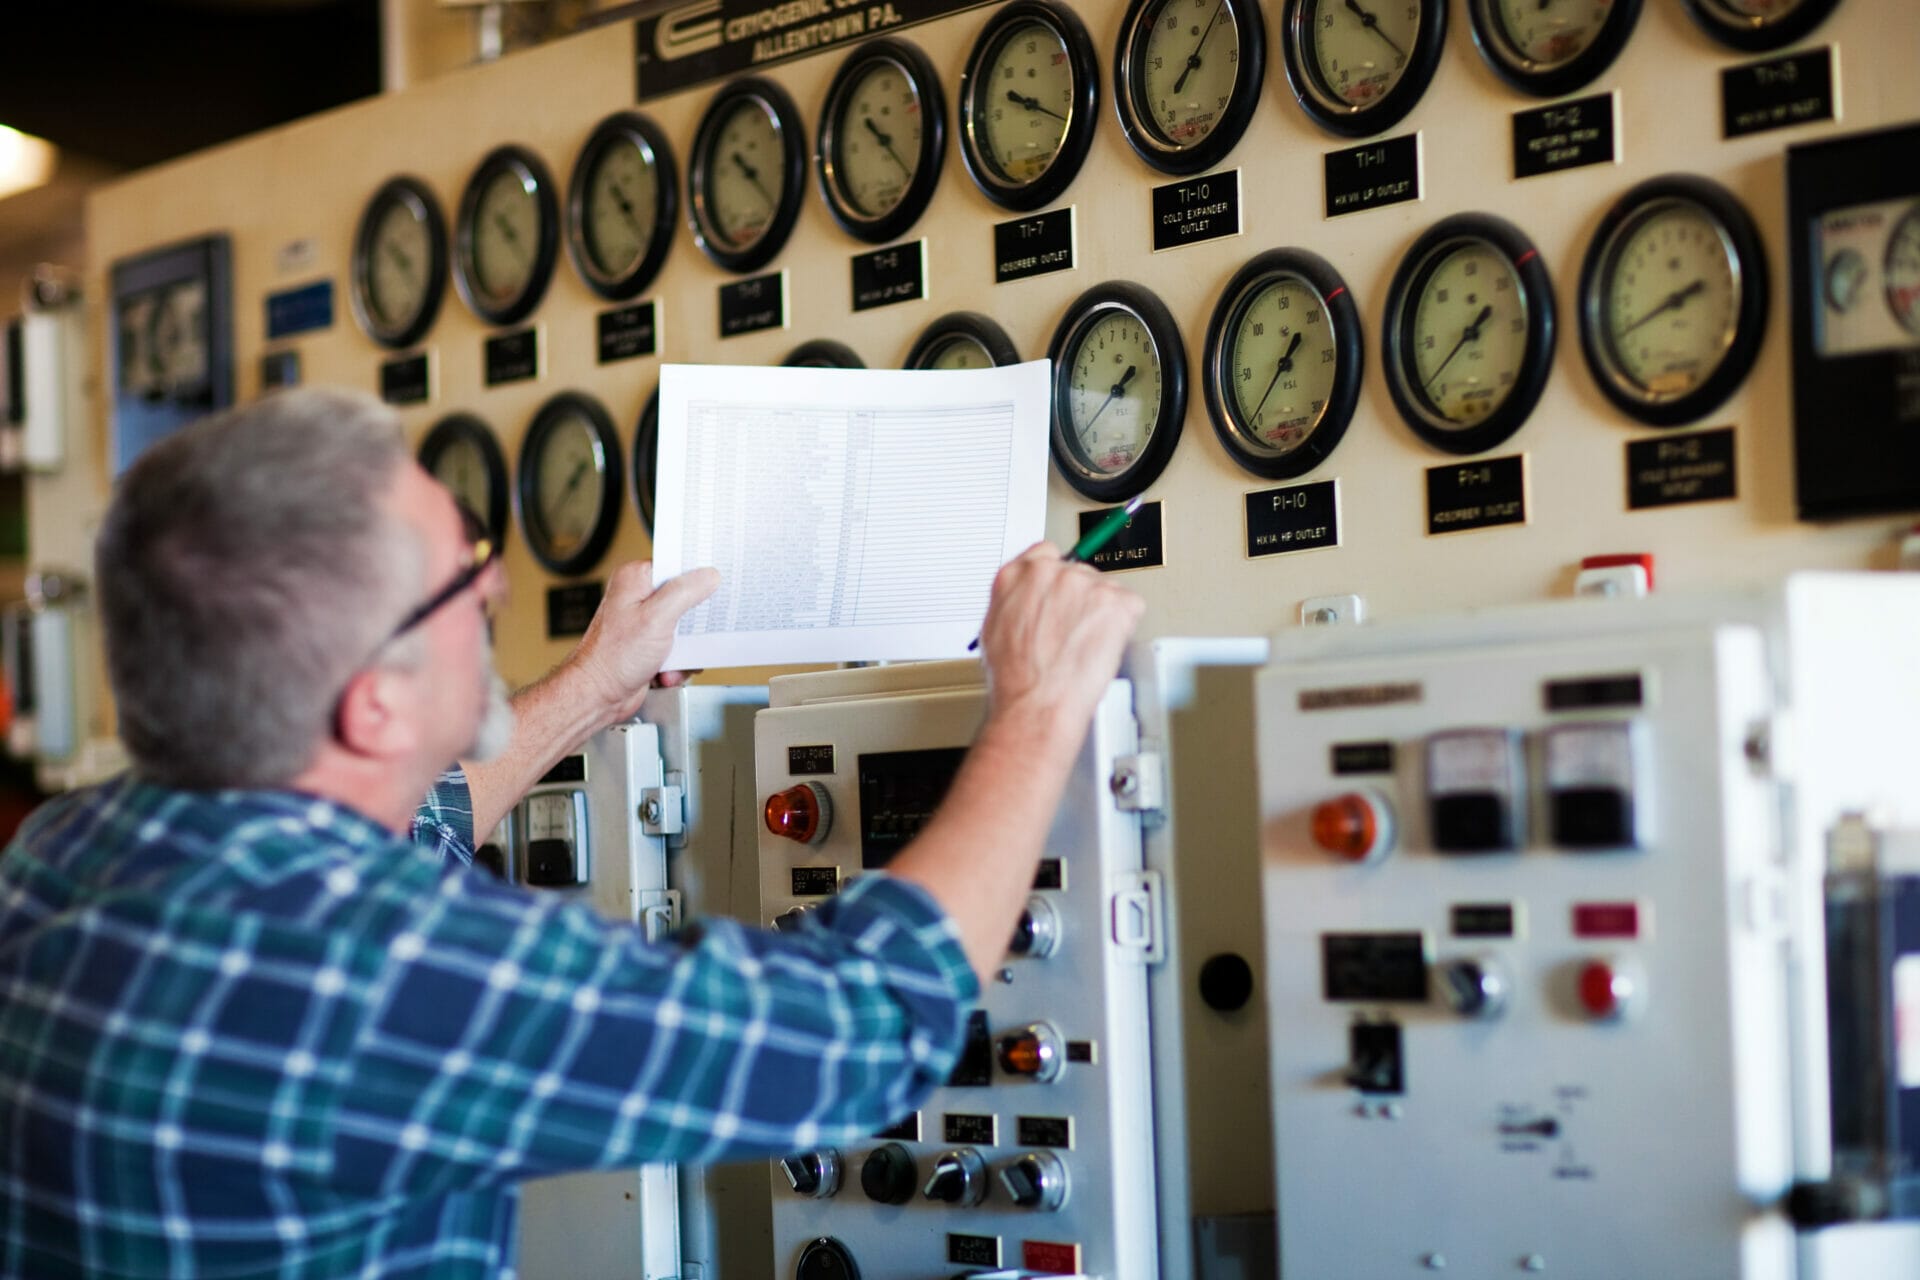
x: 631, y: 633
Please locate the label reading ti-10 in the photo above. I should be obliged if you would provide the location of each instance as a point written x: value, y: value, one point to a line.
x: 1204, y: 208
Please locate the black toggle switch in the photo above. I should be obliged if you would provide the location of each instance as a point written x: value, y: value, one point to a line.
x: 1036, y: 1181
x: 959, y: 1177
x: 815, y: 1174
x: 1375, y: 1063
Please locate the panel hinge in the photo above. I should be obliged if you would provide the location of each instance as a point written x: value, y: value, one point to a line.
x: 1139, y: 917
x: 663, y: 809
x: 1139, y: 782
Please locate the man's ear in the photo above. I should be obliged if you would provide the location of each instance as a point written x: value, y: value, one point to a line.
x: 372, y: 719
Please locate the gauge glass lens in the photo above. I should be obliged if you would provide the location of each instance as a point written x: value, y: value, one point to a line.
x: 1361, y: 47
x: 1671, y: 300
x: 1760, y: 10
x: 571, y: 489
x: 1469, y: 333
x: 506, y: 236
x: 1027, y: 101
x: 1551, y: 33
x: 1903, y: 271
x: 1284, y: 362
x: 462, y: 468
x: 961, y: 352
x: 622, y: 202
x: 1113, y: 395
x: 878, y: 139
x: 398, y: 264
x: 746, y: 174
x: 1191, y: 59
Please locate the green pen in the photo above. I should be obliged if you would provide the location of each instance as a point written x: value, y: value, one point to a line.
x: 1095, y: 538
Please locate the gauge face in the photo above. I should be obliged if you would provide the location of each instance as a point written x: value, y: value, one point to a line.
x: 1759, y: 24
x: 462, y: 454
x: 569, y: 469
x: 1189, y: 75
x: 746, y: 176
x: 1358, y: 66
x: 646, y: 446
x: 1551, y: 47
x: 1119, y: 391
x: 1846, y: 276
x: 508, y: 236
x: 1028, y: 100
x: 1903, y: 271
x: 399, y: 263
x: 823, y: 353
x: 882, y: 137
x: 962, y: 340
x: 621, y: 205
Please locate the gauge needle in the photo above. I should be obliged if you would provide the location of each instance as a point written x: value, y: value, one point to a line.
x: 1114, y: 392
x: 886, y: 140
x: 1470, y: 334
x: 573, y: 482
x: 399, y: 255
x: 1032, y: 104
x: 506, y: 229
x: 1372, y: 24
x: 1193, y: 59
x: 1285, y: 363
x: 753, y: 176
x: 1675, y: 299
x: 626, y: 205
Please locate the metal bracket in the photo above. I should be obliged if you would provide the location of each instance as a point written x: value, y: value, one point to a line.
x: 1139, y: 783
x: 659, y: 913
x: 663, y: 809
x: 1139, y: 917
x: 1326, y: 610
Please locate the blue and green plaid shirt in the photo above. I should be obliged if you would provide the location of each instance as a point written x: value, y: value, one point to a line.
x: 253, y: 1033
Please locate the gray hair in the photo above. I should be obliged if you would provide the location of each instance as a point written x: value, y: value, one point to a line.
x: 246, y: 568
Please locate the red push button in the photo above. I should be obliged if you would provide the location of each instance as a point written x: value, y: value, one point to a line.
x: 1608, y: 990
x: 802, y: 812
x: 1355, y: 826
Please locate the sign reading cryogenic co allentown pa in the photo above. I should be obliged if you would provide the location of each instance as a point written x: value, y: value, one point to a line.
x: 694, y: 43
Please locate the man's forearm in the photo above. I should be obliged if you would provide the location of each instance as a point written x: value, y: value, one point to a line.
x: 551, y: 717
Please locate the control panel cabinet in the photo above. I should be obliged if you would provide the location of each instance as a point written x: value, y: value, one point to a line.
x: 1037, y: 1156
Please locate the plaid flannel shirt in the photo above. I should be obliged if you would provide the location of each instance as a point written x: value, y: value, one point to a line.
x: 252, y: 1033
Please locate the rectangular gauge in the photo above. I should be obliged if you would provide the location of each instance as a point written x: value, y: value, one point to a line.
x: 899, y: 790
x: 1374, y: 966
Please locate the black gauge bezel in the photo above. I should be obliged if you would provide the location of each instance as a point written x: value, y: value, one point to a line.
x: 1082, y: 315
x: 975, y: 83
x: 644, y: 460
x: 507, y: 159
x: 1128, y: 71
x: 1411, y: 276
x: 465, y: 428
x: 822, y: 353
x: 793, y: 164
x: 628, y: 127
x: 1490, y: 38
x: 1343, y: 321
x: 1738, y: 32
x: 1739, y: 237
x: 962, y: 324
x: 894, y: 223
x: 413, y: 191
x: 1325, y: 107
x: 527, y: 484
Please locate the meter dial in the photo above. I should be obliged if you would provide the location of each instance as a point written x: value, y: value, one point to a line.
x: 1903, y: 271
x: 646, y: 460
x: 1119, y: 391
x: 462, y: 454
x: 621, y: 204
x: 883, y: 135
x: 823, y: 353
x: 1846, y: 275
x: 962, y: 340
x: 745, y: 175
x: 506, y: 236
x: 569, y: 483
x: 1755, y: 25
x: 1673, y: 299
x: 1028, y: 98
x: 1188, y: 77
x: 399, y: 263
x: 1468, y: 340
x: 1358, y: 66
x: 1283, y: 363
x: 1551, y: 47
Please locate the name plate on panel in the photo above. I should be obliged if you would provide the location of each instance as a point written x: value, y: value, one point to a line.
x: 815, y: 882
x: 1477, y: 495
x: 1036, y: 246
x: 1301, y: 517
x: 1203, y: 208
x: 971, y: 1130
x: 1138, y: 545
x: 279, y: 369
x: 300, y: 310
x: 1566, y: 135
x: 626, y: 332
x: 405, y: 379
x: 1670, y: 470
x: 973, y: 1251
x: 748, y: 306
x: 513, y: 357
x: 886, y: 276
x: 1778, y: 93
x: 570, y: 608
x: 1373, y: 176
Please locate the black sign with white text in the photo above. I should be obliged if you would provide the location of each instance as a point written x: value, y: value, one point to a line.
x: 1033, y: 246
x: 1374, y: 175
x: 404, y: 380
x: 748, y: 306
x: 1477, y: 495
x: 885, y: 276
x: 815, y: 882
x: 973, y: 1251
x: 1198, y: 209
x: 1565, y: 135
x: 1138, y: 545
x: 513, y: 357
x: 1778, y: 93
x: 570, y: 608
x: 626, y: 332
x: 279, y: 369
x: 1667, y: 471
x: 1301, y: 517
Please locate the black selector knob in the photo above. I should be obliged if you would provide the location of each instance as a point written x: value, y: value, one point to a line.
x: 888, y: 1175
x: 816, y: 1174
x: 1036, y: 1181
x: 826, y: 1259
x: 1038, y: 931
x: 959, y: 1177
x: 789, y: 920
x: 1474, y: 988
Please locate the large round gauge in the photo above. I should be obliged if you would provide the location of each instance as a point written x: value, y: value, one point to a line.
x: 962, y: 340
x: 1756, y: 25
x: 1187, y: 79
x: 461, y: 453
x: 1468, y: 341
x: 1673, y: 299
x: 1028, y: 99
x: 646, y: 460
x: 1119, y: 391
x: 621, y: 205
x: 1551, y: 47
x: 746, y: 173
x: 569, y: 484
x: 823, y: 353
x: 506, y: 236
x: 1283, y: 363
x: 1902, y: 271
x: 399, y: 263
x: 883, y: 135
x: 1358, y: 66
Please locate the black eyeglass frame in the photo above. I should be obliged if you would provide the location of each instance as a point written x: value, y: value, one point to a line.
x: 482, y: 550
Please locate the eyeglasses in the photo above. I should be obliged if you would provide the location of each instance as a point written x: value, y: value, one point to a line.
x: 481, y: 553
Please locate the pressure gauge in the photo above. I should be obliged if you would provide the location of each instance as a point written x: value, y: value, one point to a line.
x: 1468, y: 340
x: 1358, y: 66
x: 1756, y: 25
x: 506, y: 236
x: 823, y: 353
x: 1902, y: 271
x: 1673, y: 299
x: 621, y: 205
x: 462, y: 454
x: 962, y: 340
x: 569, y: 483
x: 1551, y: 47
x: 1188, y: 77
x: 1028, y: 98
x: 399, y: 263
x: 883, y: 134
x: 1283, y: 363
x: 745, y: 175
x: 646, y: 460
x: 1119, y: 391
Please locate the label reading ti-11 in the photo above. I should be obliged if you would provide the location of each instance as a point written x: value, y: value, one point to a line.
x: 1477, y: 495
x: 1374, y: 175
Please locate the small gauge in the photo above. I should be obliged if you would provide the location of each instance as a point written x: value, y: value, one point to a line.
x: 1550, y: 47
x: 1283, y: 363
x: 1028, y: 100
x: 399, y: 263
x: 506, y: 236
x: 823, y: 353
x: 1673, y: 299
x: 646, y: 460
x: 1359, y: 66
x: 1758, y: 25
x: 1903, y: 271
x: 462, y: 454
x: 746, y: 174
x: 569, y: 483
x: 1119, y: 391
x: 883, y: 135
x: 962, y: 340
x: 1468, y: 339
x: 1846, y: 277
x: 621, y: 203
x: 177, y: 344
x: 1188, y: 76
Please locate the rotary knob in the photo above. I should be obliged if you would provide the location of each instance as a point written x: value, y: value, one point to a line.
x: 1473, y: 988
x: 959, y: 1177
x: 815, y: 1175
x: 888, y: 1175
x: 1038, y: 932
x: 1032, y: 1051
x: 826, y: 1259
x: 1036, y: 1181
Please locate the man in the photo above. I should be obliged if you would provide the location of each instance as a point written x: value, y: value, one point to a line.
x: 248, y: 1028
